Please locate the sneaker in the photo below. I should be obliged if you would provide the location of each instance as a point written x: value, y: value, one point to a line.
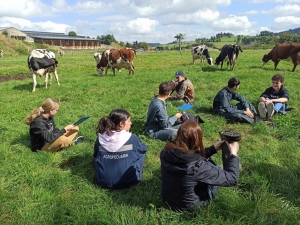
x: 262, y: 110
x: 78, y: 140
x: 270, y: 110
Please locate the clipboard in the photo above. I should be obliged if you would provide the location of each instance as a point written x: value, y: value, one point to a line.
x: 185, y: 107
x: 82, y: 119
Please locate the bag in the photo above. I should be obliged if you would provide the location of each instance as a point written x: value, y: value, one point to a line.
x: 189, y: 116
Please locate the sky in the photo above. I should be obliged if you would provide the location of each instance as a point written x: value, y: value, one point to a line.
x: 151, y: 21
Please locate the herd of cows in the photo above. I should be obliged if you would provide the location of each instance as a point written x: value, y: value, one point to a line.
x: 42, y: 62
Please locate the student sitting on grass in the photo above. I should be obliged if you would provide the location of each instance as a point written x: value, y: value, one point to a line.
x: 274, y: 98
x: 159, y: 125
x: 189, y: 176
x: 43, y: 133
x: 241, y: 112
x: 118, y: 154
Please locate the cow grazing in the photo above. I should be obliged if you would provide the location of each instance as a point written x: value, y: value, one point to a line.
x: 201, y: 52
x: 116, y: 58
x: 1, y: 53
x: 42, y: 62
x: 286, y: 51
x: 228, y: 53
x: 61, y: 53
x: 97, y: 57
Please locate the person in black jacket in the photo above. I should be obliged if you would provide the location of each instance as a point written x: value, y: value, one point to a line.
x: 43, y: 133
x: 189, y: 176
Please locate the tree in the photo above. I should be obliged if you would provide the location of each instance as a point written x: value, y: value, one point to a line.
x: 179, y: 37
x: 107, y: 39
x: 144, y: 45
x: 72, y: 33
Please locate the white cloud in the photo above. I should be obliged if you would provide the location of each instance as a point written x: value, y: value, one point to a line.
x: 277, y: 1
x: 284, y: 10
x: 24, y: 8
x: 139, y: 26
x: 91, y: 7
x: 199, y: 17
x: 232, y: 23
x: 252, y: 12
x: 281, y: 22
x: 24, y: 24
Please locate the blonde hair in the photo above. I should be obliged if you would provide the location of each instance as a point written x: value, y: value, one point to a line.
x: 48, y: 104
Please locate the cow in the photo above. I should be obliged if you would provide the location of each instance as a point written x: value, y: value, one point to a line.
x: 61, y: 53
x: 228, y: 53
x: 201, y: 52
x: 97, y: 57
x: 42, y: 62
x: 116, y: 58
x: 286, y: 51
x: 1, y: 53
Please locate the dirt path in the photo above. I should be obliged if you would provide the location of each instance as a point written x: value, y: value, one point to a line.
x: 6, y: 78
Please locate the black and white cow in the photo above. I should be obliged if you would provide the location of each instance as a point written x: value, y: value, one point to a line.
x: 42, y: 62
x: 201, y: 52
x: 228, y: 53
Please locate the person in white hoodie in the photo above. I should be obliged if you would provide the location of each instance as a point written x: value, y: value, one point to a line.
x: 118, y: 154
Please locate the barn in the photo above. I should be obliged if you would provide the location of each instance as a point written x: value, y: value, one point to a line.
x: 51, y: 38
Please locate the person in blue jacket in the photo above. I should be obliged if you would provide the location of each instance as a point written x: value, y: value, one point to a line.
x: 118, y: 154
x: 243, y: 111
x: 159, y: 125
x: 188, y: 174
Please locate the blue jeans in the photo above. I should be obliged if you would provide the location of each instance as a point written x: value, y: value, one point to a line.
x: 167, y: 134
x: 279, y: 107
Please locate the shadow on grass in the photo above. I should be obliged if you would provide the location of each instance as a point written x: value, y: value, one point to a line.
x: 80, y: 165
x: 23, y: 139
x: 282, y: 181
x: 27, y: 87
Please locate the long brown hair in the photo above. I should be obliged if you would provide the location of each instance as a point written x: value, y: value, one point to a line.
x: 48, y: 105
x: 188, y: 138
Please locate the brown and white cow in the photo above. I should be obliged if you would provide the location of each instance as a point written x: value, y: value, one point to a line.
x: 116, y: 59
x: 97, y: 57
x: 42, y: 62
x: 286, y: 51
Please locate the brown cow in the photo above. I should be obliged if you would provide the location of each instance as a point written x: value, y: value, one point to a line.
x: 116, y: 58
x: 286, y: 51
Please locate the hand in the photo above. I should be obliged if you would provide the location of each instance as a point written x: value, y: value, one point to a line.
x: 218, y: 145
x: 233, y: 147
x: 268, y: 102
x: 249, y: 113
x: 178, y: 115
x: 69, y: 127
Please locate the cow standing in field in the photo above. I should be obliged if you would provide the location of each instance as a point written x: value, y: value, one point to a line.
x: 1, y: 53
x: 61, y: 53
x: 201, y: 52
x: 286, y: 51
x: 97, y: 57
x: 116, y: 59
x: 228, y: 53
x: 42, y: 62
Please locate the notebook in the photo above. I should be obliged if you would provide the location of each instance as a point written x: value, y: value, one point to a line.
x: 185, y: 107
x: 82, y: 119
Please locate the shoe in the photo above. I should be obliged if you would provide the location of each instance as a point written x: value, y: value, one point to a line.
x: 270, y: 110
x: 78, y: 140
x: 262, y: 110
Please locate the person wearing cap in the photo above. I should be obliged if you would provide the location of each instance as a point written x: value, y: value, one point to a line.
x: 243, y: 111
x: 184, y: 88
x: 159, y: 125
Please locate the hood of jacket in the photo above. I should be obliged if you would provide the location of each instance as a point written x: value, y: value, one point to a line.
x: 182, y: 162
x: 115, y: 141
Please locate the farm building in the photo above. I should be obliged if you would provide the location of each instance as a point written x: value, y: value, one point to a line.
x: 57, y: 39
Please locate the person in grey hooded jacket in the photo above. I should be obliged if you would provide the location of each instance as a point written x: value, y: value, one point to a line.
x: 159, y: 125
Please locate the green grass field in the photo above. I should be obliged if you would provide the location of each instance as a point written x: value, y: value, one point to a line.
x: 57, y: 188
